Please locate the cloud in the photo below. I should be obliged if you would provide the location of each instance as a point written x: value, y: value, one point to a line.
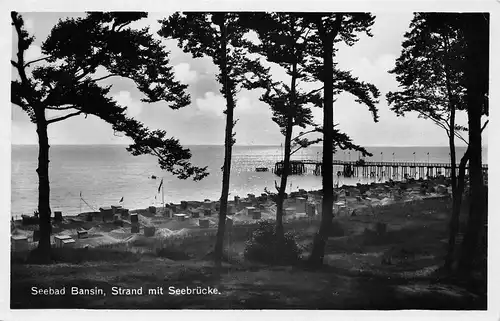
x: 248, y: 103
x: 184, y: 73
x: 124, y: 99
x: 211, y: 103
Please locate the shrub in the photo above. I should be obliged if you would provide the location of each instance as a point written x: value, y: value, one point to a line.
x: 263, y: 246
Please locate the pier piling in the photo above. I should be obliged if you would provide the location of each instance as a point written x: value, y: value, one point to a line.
x: 372, y: 169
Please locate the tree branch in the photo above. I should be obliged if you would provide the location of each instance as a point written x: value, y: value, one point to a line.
x: 459, y: 136
x: 105, y: 77
x: 298, y: 148
x: 305, y: 133
x: 36, y: 60
x: 484, y: 126
x: 61, y: 108
x: 440, y: 124
x: 55, y: 120
x: 85, y: 73
x: 315, y: 91
x: 436, y: 121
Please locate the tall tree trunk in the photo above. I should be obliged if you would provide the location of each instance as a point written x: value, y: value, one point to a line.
x: 477, y: 205
x: 455, y: 212
x: 43, y: 189
x: 455, y: 215
x: 476, y: 34
x: 286, y: 160
x: 284, y: 177
x: 228, y: 144
x: 318, y: 251
x: 43, y: 250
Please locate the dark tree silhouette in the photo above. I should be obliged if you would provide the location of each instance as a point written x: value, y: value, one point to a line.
x: 64, y: 80
x: 476, y: 31
x: 283, y: 38
x: 329, y: 29
x: 471, y: 62
x: 220, y: 36
x: 429, y: 74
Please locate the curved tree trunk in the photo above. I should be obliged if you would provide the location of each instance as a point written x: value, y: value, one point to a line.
x: 455, y: 212
x: 43, y: 189
x: 228, y: 144
x: 476, y: 77
x: 284, y: 177
x: 477, y: 209
x: 320, y: 238
x: 457, y: 205
x: 287, y: 156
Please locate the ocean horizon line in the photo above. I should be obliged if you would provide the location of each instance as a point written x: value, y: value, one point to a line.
x: 256, y: 145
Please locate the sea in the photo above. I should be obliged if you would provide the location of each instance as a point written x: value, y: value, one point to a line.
x: 86, y: 177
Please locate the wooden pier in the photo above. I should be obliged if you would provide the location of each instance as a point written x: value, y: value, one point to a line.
x: 361, y: 168
x: 296, y: 168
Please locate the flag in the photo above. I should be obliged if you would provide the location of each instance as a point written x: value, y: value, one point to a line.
x: 413, y: 153
x: 121, y: 200
x: 159, y: 187
x: 80, y: 194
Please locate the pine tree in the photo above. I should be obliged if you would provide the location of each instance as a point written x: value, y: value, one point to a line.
x: 282, y: 41
x: 220, y: 36
x: 64, y: 80
x: 476, y: 30
x: 329, y: 29
x: 284, y: 38
x: 430, y: 76
x: 446, y: 57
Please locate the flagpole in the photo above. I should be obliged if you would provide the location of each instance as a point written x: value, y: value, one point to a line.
x: 162, y: 194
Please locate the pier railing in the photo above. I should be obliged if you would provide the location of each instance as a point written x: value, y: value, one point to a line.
x: 373, y: 168
x: 382, y: 164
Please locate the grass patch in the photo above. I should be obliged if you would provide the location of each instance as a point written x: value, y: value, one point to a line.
x: 77, y: 256
x: 173, y: 253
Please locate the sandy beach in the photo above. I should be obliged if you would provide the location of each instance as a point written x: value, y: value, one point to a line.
x: 186, y: 219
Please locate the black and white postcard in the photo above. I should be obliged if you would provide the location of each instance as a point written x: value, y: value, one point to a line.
x: 278, y: 156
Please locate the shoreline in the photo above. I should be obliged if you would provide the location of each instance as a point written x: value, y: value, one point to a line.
x: 368, y: 199
x: 366, y: 186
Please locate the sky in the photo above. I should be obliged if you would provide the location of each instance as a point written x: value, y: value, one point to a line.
x: 203, y: 121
